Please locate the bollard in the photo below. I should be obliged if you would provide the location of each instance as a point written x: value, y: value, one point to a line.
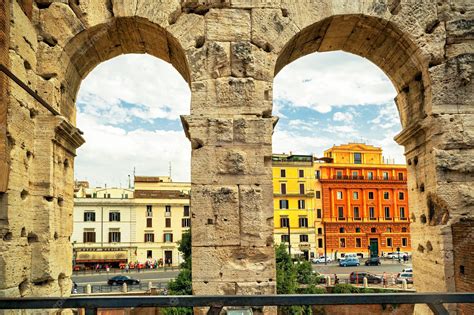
x: 124, y: 287
x: 88, y: 289
x: 150, y: 285
x: 328, y: 280
x: 366, y: 282
x: 404, y: 284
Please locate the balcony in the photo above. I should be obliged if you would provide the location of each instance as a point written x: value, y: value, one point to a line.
x: 216, y: 303
x: 364, y: 178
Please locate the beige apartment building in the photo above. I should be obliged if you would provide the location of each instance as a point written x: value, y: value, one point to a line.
x: 116, y: 226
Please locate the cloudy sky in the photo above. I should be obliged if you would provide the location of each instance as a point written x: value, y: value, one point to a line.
x: 129, y: 110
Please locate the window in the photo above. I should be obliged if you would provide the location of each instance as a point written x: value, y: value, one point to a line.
x: 340, y: 212
x: 370, y: 175
x: 301, y: 173
x: 320, y: 243
x: 355, y: 195
x: 94, y: 195
x: 372, y: 213
x: 285, y: 238
x: 355, y: 174
x: 319, y: 213
x: 386, y: 195
x: 168, y: 222
x: 304, y: 238
x: 149, y: 237
x: 168, y: 237
x: 341, y: 230
x: 302, y: 189
x: 167, y: 211
x: 357, y: 158
x: 318, y: 194
x: 186, y: 222
x: 404, y: 242
x: 358, y: 242
x: 282, y: 172
x: 284, y: 222
x: 356, y: 213
x: 402, y: 213
x: 389, y: 242
x: 371, y: 195
x: 400, y: 176
x: 89, y: 236
x: 283, y: 204
x: 89, y: 216
x: 149, y: 222
x: 106, y: 195
x: 342, y: 242
x: 186, y: 211
x: 317, y: 174
x: 389, y: 230
x: 114, y: 236
x: 339, y: 174
x: 149, y: 211
x: 387, y: 212
x: 373, y: 230
x: 114, y: 216
x: 301, y: 204
x: 339, y: 195
x: 401, y: 195
x: 357, y: 229
x: 320, y: 231
x: 385, y: 175
x: 149, y: 254
x: 404, y: 230
x: 303, y: 222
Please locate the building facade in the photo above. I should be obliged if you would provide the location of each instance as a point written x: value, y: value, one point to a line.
x: 365, y: 202
x: 294, y: 203
x: 116, y: 226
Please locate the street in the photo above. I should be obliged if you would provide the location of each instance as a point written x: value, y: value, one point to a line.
x: 145, y: 276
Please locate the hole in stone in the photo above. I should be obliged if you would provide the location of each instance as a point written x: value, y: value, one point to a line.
x: 29, y: 155
x: 42, y: 282
x: 27, y: 65
x: 206, y: 282
x: 23, y: 232
x: 24, y: 194
x: 270, y: 280
x: 259, y: 281
x: 66, y: 163
x: 461, y: 269
x: 422, y: 187
x: 462, y: 11
x: 62, y: 89
x: 418, y: 77
x: 32, y: 238
x: 11, y: 140
x: 429, y: 247
x: 33, y: 113
x: 451, y: 119
x: 50, y: 40
x: 420, y: 248
x: 284, y: 12
x: 8, y: 236
x: 23, y: 287
x: 431, y: 26
x: 409, y: 161
x: 423, y: 218
x: 413, y: 217
x: 199, y: 41
x: 406, y: 89
x: 60, y: 201
x: 48, y: 198
x: 210, y: 221
x: 415, y: 160
x: 43, y: 5
x: 56, y: 236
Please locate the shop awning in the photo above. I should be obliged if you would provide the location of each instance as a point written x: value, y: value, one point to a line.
x: 117, y: 256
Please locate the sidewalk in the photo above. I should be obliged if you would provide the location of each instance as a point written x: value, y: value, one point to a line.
x: 122, y: 271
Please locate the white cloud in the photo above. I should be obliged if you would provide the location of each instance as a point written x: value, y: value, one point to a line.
x: 299, y: 124
x: 323, y: 80
x: 340, y: 116
x: 286, y: 142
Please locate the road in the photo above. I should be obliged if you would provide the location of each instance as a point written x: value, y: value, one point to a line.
x: 144, y: 276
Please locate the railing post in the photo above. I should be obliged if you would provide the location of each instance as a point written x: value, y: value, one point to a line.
x: 214, y: 310
x: 404, y: 284
x: 366, y: 282
x: 91, y: 311
x: 150, y: 285
x: 88, y: 289
x: 124, y: 287
x: 438, y: 309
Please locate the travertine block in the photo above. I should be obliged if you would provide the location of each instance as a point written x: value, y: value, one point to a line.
x: 214, y: 288
x: 158, y: 12
x: 249, y: 60
x: 92, y: 12
x: 228, y: 25
x: 215, y: 215
x: 210, y: 61
x: 60, y: 23
x: 233, y: 263
x: 23, y: 36
x: 180, y: 30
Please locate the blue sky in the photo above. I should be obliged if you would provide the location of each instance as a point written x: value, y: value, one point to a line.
x: 129, y: 110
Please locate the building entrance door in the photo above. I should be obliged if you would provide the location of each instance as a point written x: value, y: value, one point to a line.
x: 374, y: 247
x: 168, y: 257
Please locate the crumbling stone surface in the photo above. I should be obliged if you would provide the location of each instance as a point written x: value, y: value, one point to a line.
x: 228, y: 52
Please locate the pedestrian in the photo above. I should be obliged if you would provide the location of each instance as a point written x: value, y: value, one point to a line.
x: 384, y: 279
x: 126, y: 268
x: 74, y: 288
x: 336, y: 279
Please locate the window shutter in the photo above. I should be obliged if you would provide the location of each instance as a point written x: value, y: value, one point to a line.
x: 171, y: 237
x: 84, y: 235
x: 145, y: 238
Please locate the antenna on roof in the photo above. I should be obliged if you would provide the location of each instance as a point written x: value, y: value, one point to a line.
x: 170, y: 169
x: 129, y: 182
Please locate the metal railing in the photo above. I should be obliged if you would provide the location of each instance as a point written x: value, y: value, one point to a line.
x: 91, y: 305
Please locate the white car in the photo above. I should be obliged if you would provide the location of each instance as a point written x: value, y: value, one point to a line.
x: 321, y: 260
x: 408, y: 269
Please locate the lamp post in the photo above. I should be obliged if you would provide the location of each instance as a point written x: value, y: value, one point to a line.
x: 370, y: 253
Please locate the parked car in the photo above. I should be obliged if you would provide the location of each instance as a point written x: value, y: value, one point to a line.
x: 408, y: 269
x: 396, y: 255
x: 373, y: 261
x: 321, y: 260
x: 408, y: 276
x: 358, y: 277
x: 349, y: 262
x: 79, y: 267
x: 118, y: 280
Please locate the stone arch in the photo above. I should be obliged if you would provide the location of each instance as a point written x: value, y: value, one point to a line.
x: 376, y: 39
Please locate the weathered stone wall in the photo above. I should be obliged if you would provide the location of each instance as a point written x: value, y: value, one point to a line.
x: 229, y: 51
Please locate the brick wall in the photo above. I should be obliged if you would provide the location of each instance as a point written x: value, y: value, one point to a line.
x: 463, y: 243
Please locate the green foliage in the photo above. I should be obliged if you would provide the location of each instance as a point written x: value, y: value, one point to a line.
x: 286, y: 273
x: 345, y: 288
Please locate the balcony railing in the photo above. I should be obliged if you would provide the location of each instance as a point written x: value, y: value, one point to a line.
x: 91, y: 305
x: 375, y: 178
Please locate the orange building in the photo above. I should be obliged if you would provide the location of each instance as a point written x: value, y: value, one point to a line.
x: 365, y: 202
